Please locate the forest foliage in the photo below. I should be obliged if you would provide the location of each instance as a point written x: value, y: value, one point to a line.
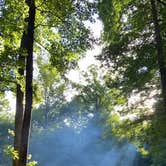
x: 131, y: 53
x: 132, y: 58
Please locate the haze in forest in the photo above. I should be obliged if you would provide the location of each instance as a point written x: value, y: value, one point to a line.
x: 72, y: 95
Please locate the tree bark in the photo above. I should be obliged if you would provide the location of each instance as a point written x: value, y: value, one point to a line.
x: 19, y: 103
x: 160, y: 54
x: 46, y: 107
x: 29, y: 77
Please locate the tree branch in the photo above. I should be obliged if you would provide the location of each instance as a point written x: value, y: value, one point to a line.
x: 45, y: 48
x: 42, y: 3
x: 163, y: 3
x: 7, y: 80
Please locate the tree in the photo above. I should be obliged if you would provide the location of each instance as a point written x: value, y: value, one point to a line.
x: 129, y: 43
x: 19, y: 99
x: 11, y: 30
x: 134, y: 53
x: 160, y: 53
x: 28, y: 82
x: 95, y: 95
x: 53, y: 86
x: 57, y: 26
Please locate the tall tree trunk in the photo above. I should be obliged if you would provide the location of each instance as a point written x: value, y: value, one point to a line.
x: 19, y: 103
x: 29, y: 77
x: 160, y: 55
x: 46, y: 107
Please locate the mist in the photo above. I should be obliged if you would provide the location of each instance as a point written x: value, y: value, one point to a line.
x: 79, y: 142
